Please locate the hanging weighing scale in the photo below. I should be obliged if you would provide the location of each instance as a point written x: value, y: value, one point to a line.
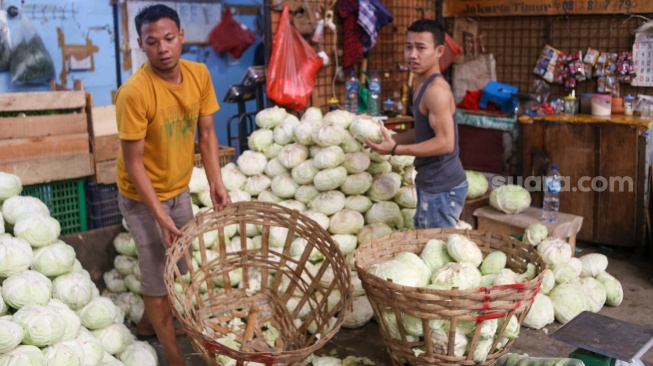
x: 604, y: 341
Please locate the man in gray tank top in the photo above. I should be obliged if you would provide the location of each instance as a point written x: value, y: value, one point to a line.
x: 441, y: 182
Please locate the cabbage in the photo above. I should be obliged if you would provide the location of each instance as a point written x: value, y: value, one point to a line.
x: 137, y: 308
x: 274, y: 168
x: 398, y: 272
x: 362, y: 313
x: 379, y: 167
x: 384, y: 187
x: 10, y: 185
x: 304, y: 172
x: 260, y: 139
x: 373, y: 231
x: 16, y: 206
x: 92, y: 347
x: 595, y: 292
x: 510, y: 199
x: 198, y: 180
x: 239, y: 196
x: 133, y: 284
x: 42, y: 325
x: 507, y: 277
x: 407, y: 197
x: 593, y: 264
x: 385, y: 212
x: 125, y: 244
x: 493, y: 263
x: 114, y: 338
x: 346, y: 222
x: 358, y: 203
x: 376, y: 157
x: 304, y: 132
x: 322, y: 219
x: 108, y: 360
x: 293, y: 205
x: 339, y: 117
x: 37, y: 229
x: 356, y: 162
x: 73, y: 324
x: 418, y: 264
x: 440, y: 340
x: 139, y: 354
x: 346, y: 243
x: 284, y: 133
x: 548, y: 281
x: 273, y: 150
x: 232, y: 177
x: 98, y: 313
x: 210, y: 238
x: 408, y: 176
x: 270, y: 117
x: 564, y: 272
x: 251, y: 162
x: 124, y: 264
x: 435, y: 254
x: 483, y: 348
x: 568, y: 301
x: 23, y: 356
x: 306, y: 193
x: 268, y: 196
x: 329, y: 157
x: 328, y: 135
x: 256, y: 184
x: 283, y: 186
x: 297, y: 248
x: 15, y: 255
x: 478, y: 184
x: 540, y: 314
x: 54, y: 259
x: 11, y: 334
x: 357, y: 184
x: 74, y: 290
x: 313, y: 151
x: 364, y: 127
x: 312, y: 114
x: 330, y: 179
x: 554, y: 251
x: 461, y: 249
x: 461, y: 275
x: 350, y: 144
x: 613, y: 290
x: 27, y: 287
x: 329, y: 202
x: 535, y: 233
x: 409, y: 218
x: 291, y: 155
x: 401, y: 161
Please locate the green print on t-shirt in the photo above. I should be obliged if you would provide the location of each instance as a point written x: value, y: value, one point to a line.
x: 178, y: 125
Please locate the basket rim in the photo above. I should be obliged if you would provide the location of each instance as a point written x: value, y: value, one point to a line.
x: 416, y: 233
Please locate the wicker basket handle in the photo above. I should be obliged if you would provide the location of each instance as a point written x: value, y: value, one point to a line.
x: 249, y: 330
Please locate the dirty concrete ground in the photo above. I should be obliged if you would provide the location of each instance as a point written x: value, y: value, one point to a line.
x: 634, y: 272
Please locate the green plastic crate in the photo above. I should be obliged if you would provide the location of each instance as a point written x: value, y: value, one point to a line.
x: 65, y: 200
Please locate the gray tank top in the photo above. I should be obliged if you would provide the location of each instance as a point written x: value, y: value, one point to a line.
x: 439, y: 173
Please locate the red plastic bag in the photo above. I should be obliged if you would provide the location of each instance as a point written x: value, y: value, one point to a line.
x: 230, y: 36
x: 293, y: 67
x: 451, y: 50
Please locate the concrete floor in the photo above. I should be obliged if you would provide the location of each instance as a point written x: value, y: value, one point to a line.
x: 635, y: 274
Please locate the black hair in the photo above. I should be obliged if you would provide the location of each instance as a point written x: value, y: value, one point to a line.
x: 152, y: 13
x: 431, y: 26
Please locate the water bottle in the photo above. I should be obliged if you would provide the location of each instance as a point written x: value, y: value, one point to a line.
x: 351, y: 87
x: 375, y: 94
x: 552, y: 186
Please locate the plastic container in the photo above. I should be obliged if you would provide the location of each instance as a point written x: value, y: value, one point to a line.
x: 570, y: 105
x: 601, y: 105
x: 333, y: 104
x: 629, y: 102
x: 351, y: 89
x: 65, y: 200
x: 375, y: 94
x: 552, y: 187
x: 617, y: 105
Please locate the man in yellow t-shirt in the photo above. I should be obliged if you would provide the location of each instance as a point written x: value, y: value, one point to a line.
x: 159, y: 110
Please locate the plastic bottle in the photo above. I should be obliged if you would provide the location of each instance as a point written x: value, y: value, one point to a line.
x: 375, y: 94
x: 552, y: 187
x: 351, y: 87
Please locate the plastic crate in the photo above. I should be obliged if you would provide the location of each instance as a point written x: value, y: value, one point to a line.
x: 102, y: 205
x: 65, y: 200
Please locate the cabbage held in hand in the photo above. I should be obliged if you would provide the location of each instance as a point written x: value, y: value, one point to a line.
x: 365, y: 127
x: 478, y: 184
x: 510, y: 199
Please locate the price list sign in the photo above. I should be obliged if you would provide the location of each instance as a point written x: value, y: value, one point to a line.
x: 643, y: 59
x: 544, y: 7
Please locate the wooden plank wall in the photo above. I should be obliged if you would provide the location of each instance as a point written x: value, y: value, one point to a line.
x: 385, y: 57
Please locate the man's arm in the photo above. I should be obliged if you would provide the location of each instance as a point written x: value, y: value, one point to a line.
x: 209, y: 150
x: 132, y: 151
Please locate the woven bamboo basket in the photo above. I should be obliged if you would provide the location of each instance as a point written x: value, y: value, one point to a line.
x: 468, y: 308
x: 225, y: 155
x: 277, y: 291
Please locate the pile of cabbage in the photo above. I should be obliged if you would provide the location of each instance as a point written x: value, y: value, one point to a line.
x: 444, y: 265
x: 50, y: 311
x: 571, y: 285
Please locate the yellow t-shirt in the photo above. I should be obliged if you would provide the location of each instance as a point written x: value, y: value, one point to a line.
x: 165, y: 116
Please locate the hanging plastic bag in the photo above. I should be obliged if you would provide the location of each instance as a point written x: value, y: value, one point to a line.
x: 30, y: 60
x: 451, y: 51
x: 230, y: 36
x: 5, y: 42
x: 293, y: 66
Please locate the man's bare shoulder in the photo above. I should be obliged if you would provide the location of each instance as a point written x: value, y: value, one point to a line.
x: 438, y: 92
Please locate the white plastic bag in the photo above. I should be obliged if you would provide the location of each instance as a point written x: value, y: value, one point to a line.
x: 5, y: 42
x: 30, y: 60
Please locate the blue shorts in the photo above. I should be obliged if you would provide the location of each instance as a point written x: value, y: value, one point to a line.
x: 440, y: 210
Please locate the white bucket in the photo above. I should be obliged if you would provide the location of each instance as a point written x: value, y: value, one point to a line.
x: 601, y: 105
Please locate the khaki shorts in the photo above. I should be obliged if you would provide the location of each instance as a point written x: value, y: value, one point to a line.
x: 150, y: 247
